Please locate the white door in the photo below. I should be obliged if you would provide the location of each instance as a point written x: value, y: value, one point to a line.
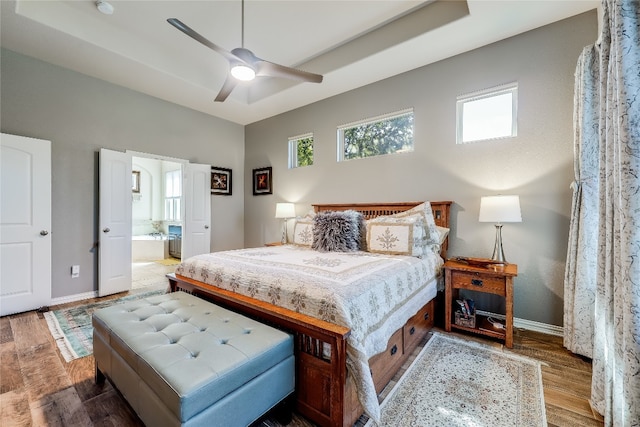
x: 196, y: 230
x: 25, y: 224
x: 114, y: 265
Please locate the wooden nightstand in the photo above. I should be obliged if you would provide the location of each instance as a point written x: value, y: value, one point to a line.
x: 494, y: 279
x: 274, y: 244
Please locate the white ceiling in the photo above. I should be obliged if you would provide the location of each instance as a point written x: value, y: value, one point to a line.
x: 352, y: 43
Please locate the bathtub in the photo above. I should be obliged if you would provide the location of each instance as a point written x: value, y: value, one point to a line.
x: 149, y: 248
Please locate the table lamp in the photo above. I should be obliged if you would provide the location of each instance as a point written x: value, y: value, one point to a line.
x: 285, y: 211
x: 499, y: 209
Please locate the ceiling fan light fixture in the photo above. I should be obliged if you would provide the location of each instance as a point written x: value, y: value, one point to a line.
x: 104, y: 7
x: 243, y: 72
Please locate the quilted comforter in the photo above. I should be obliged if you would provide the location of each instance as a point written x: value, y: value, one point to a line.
x: 371, y: 294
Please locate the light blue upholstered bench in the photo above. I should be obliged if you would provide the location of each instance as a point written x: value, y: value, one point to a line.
x: 182, y: 361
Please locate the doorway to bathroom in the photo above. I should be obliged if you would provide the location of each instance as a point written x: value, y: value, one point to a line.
x: 156, y: 213
x: 118, y: 186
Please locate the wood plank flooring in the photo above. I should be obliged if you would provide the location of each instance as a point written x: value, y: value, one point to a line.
x: 38, y: 388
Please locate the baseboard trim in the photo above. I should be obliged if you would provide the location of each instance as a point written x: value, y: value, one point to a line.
x: 545, y: 328
x: 530, y: 325
x: 74, y: 298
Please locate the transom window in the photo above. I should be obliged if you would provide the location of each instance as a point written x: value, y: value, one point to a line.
x: 386, y: 134
x: 301, y: 150
x: 172, y: 195
x: 487, y: 114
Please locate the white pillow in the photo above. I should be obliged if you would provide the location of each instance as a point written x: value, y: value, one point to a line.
x: 397, y: 236
x: 303, y: 232
x: 431, y: 232
x: 443, y: 232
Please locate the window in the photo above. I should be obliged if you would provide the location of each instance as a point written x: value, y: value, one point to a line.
x: 301, y: 151
x: 387, y: 134
x: 488, y: 114
x: 172, y: 194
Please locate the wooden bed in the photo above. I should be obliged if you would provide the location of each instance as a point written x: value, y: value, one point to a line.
x: 324, y: 392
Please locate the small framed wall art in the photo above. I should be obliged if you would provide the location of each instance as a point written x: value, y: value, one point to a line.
x: 262, y: 181
x: 220, y: 181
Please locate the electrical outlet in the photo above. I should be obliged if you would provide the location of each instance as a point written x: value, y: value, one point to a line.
x: 75, y: 271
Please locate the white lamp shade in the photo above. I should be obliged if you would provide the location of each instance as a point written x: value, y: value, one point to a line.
x: 285, y: 210
x: 500, y: 209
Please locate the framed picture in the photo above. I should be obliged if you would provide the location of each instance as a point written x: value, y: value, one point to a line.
x: 220, y: 181
x: 262, y: 181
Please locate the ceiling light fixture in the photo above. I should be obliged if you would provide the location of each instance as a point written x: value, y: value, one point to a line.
x: 243, y: 72
x: 104, y: 7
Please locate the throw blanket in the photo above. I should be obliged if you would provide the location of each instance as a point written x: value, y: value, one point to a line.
x: 371, y: 294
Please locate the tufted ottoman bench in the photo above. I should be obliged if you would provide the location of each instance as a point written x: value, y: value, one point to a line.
x: 182, y: 361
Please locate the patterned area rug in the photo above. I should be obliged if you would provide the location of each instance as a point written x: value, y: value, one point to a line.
x: 168, y: 261
x: 71, y: 327
x: 460, y: 383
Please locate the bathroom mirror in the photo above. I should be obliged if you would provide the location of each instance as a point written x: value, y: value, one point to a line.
x: 135, y: 181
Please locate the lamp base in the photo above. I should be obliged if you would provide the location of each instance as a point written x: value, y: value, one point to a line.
x: 498, y: 253
x: 285, y: 237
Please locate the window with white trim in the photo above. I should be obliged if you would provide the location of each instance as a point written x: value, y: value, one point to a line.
x: 386, y: 134
x: 172, y: 195
x: 487, y: 114
x: 301, y: 151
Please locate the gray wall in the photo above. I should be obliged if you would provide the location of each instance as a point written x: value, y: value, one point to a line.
x: 80, y: 115
x: 537, y: 164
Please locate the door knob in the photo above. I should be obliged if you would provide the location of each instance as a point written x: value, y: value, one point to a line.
x: 106, y: 229
x: 44, y: 232
x: 206, y: 227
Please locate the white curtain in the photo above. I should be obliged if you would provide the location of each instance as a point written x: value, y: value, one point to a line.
x: 615, y: 386
x: 580, y: 273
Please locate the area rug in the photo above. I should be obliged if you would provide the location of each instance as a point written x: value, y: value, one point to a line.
x: 168, y: 261
x: 72, y: 329
x: 454, y: 382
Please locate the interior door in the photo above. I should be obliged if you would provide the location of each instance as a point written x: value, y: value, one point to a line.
x: 25, y: 224
x: 196, y: 232
x: 114, y: 265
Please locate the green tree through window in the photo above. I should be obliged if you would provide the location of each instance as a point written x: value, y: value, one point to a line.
x: 305, y: 151
x: 301, y: 151
x: 383, y: 136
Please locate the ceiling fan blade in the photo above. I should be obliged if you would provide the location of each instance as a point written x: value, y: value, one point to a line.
x: 198, y: 37
x: 271, y: 69
x: 229, y: 84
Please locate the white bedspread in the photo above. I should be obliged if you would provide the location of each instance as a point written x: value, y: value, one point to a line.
x: 371, y: 294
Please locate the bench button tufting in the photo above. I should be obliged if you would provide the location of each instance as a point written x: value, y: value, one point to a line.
x: 247, y: 330
x: 224, y: 341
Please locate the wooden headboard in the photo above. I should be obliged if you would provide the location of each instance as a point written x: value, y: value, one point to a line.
x: 441, y: 211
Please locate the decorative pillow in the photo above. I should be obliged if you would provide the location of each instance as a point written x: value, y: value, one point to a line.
x: 337, y: 231
x: 303, y: 232
x: 424, y: 209
x: 443, y: 232
x: 397, y: 236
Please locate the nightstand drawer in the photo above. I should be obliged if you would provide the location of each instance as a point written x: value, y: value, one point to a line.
x: 478, y: 282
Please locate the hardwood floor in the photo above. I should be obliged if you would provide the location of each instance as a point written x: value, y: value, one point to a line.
x: 38, y: 388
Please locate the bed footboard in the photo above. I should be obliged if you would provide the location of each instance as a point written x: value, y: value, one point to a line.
x: 324, y: 394
x: 320, y: 351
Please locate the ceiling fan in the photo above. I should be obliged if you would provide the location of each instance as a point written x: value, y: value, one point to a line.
x: 244, y: 65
